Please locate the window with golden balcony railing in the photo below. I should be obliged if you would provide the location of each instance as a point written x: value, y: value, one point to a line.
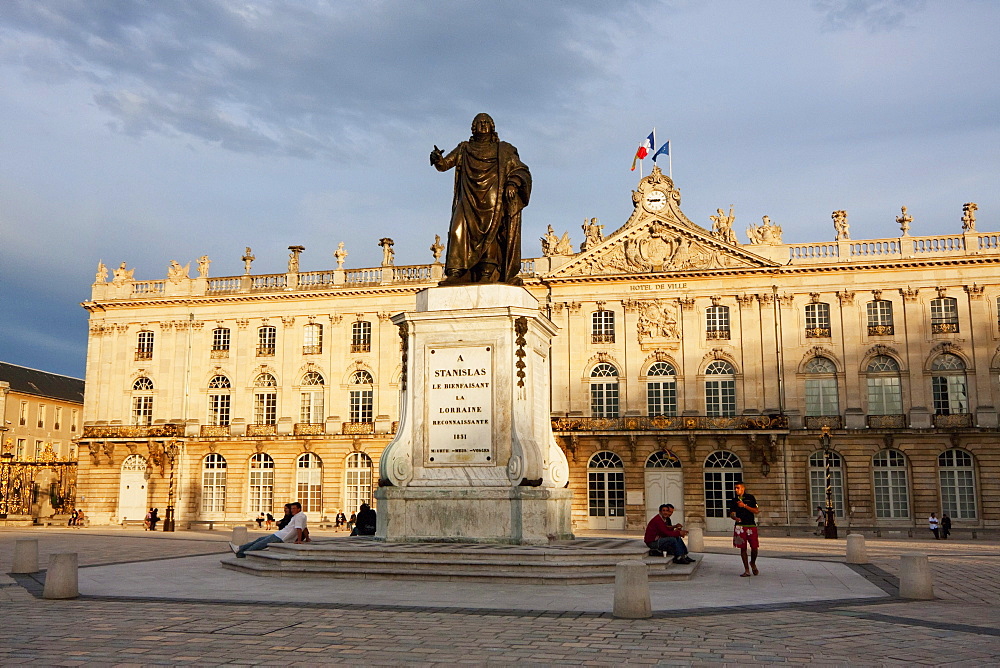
x: 880, y: 330
x: 214, y: 431
x: 133, y: 431
x: 265, y: 351
x: 309, y: 429
x: 820, y: 421
x: 602, y: 338
x: 358, y: 428
x: 953, y: 421
x: 312, y: 350
x: 717, y: 334
x: 944, y: 327
x: 817, y: 332
x: 668, y: 423
x: 361, y: 347
x: 262, y: 430
x: 886, y: 421
x: 141, y: 354
x: 220, y: 354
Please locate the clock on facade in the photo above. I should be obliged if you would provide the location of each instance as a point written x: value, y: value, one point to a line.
x: 655, y: 200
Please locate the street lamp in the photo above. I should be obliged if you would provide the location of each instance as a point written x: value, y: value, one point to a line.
x: 170, y: 451
x: 830, y: 531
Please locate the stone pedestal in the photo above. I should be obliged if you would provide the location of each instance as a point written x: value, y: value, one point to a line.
x: 25, y: 556
x: 915, y: 579
x: 474, y: 458
x: 240, y: 536
x: 857, y: 553
x: 61, y: 577
x: 632, y: 591
x: 696, y: 539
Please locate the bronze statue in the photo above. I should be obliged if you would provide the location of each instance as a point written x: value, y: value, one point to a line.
x: 492, y: 186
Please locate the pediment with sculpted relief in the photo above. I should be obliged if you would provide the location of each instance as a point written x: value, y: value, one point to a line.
x: 658, y: 237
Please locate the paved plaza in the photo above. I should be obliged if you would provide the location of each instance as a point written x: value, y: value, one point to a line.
x: 163, y: 599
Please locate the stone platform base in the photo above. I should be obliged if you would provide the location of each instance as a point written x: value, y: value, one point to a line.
x: 580, y: 561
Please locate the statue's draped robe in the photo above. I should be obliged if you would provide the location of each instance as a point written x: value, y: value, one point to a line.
x: 485, y: 227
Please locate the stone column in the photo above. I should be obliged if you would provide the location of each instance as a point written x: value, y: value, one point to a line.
x: 632, y: 591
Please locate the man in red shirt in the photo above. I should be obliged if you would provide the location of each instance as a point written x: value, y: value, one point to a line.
x: 663, y: 537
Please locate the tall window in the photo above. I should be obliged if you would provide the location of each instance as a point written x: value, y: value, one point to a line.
x: 817, y: 320
x: 41, y: 416
x: 74, y: 416
x: 265, y: 400
x: 717, y: 322
x: 821, y: 387
x: 57, y: 423
x: 261, y: 487
x: 312, y: 339
x: 723, y: 470
x: 23, y: 414
x: 218, y: 401
x: 361, y: 397
x: 309, y: 482
x: 884, y: 394
x: 720, y: 389
x: 605, y: 485
x: 604, y: 391
x: 944, y: 315
x: 602, y: 328
x: 220, y: 342
x: 142, y: 401
x: 661, y: 389
x: 312, y: 398
x: 892, y: 497
x: 144, y: 346
x: 957, y: 473
x: 358, y: 487
x: 361, y: 337
x: 880, y: 317
x: 267, y: 338
x: 948, y: 385
x: 817, y: 481
x: 213, y: 484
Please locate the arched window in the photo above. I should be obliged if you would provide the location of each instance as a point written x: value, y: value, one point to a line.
x: 309, y: 481
x: 213, y: 484
x: 361, y: 337
x: 361, y: 397
x: 948, y: 386
x: 720, y: 389
x: 880, y: 317
x: 312, y: 339
x: 267, y: 338
x: 605, y: 486
x: 723, y: 470
x: 261, y: 487
x: 817, y: 320
x: 821, y: 387
x: 142, y: 401
x: 265, y: 399
x: 661, y: 389
x: 144, y: 346
x: 944, y: 315
x: 602, y: 326
x: 311, y: 404
x: 892, y: 496
x: 717, y: 322
x: 604, y: 391
x: 817, y: 481
x: 663, y: 459
x: 957, y: 473
x: 884, y: 394
x: 219, y: 401
x: 358, y: 487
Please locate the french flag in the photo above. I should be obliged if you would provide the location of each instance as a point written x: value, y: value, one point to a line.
x: 644, y: 148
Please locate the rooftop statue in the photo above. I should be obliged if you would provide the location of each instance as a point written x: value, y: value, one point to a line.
x: 492, y: 186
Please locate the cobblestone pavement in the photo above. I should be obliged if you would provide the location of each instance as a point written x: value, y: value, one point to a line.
x: 961, y: 627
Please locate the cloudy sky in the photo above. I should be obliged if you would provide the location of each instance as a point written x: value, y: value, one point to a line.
x: 164, y: 130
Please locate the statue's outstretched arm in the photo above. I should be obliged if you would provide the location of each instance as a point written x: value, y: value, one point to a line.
x: 444, y: 162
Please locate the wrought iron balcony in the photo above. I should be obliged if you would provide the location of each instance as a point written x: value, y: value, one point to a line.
x: 820, y: 421
x: 214, y: 431
x: 602, y: 338
x: 717, y: 334
x: 262, y: 430
x: 361, y: 347
x: 133, y: 431
x: 880, y: 330
x: 309, y: 429
x: 817, y: 332
x: 944, y: 327
x: 887, y: 422
x: 955, y: 420
x: 143, y: 354
x: 312, y: 350
x: 220, y: 353
x: 669, y: 423
x: 358, y: 428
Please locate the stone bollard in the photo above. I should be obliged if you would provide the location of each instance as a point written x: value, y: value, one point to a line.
x: 915, y: 579
x: 632, y: 591
x: 25, y: 556
x: 857, y: 553
x: 696, y: 539
x: 240, y: 536
x: 61, y: 579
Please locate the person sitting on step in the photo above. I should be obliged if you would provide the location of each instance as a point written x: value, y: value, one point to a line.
x: 663, y: 537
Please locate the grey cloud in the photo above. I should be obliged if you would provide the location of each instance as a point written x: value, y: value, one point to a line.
x: 873, y: 15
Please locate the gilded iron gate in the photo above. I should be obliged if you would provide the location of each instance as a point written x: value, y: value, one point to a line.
x: 32, y: 487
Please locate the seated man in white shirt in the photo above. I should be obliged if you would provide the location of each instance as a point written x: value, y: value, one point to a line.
x: 292, y: 533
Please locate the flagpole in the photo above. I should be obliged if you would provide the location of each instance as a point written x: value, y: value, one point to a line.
x: 670, y: 162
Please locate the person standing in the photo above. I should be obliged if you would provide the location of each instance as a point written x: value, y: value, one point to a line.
x: 292, y: 533
x: 663, y: 537
x: 154, y: 517
x: 945, y: 526
x: 743, y: 509
x: 820, y: 520
x: 932, y: 524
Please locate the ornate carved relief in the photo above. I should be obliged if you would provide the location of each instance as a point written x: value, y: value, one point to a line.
x: 786, y: 301
x: 657, y: 320
x: 846, y: 297
x: 687, y: 303
x: 909, y: 294
x: 745, y: 301
x: 336, y: 318
x: 288, y: 320
x: 384, y: 316
x: 242, y: 322
x: 974, y: 291
x: 520, y: 328
x: 765, y: 299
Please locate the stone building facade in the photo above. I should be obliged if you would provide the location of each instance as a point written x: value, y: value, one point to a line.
x: 685, y: 360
